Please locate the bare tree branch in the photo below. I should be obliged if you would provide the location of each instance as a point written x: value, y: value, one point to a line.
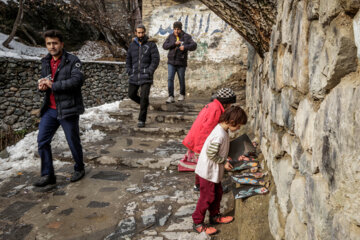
x: 17, y: 23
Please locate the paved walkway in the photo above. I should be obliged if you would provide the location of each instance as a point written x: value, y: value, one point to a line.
x: 132, y: 189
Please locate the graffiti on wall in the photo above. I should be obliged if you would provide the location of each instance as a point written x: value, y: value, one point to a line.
x: 198, y: 26
x: 216, y: 40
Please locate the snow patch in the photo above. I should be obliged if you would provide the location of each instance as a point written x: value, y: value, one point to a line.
x: 20, y: 50
x: 23, y: 155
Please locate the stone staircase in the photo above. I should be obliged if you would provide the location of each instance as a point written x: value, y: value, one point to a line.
x: 158, y: 145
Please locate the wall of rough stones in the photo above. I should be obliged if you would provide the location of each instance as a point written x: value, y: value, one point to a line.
x: 220, y: 52
x: 20, y: 100
x: 303, y: 99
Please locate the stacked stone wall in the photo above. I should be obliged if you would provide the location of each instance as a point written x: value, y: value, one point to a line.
x: 303, y: 99
x: 20, y: 100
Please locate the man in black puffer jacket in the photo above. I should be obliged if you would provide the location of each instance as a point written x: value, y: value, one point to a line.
x: 141, y: 62
x: 178, y: 43
x: 61, y: 79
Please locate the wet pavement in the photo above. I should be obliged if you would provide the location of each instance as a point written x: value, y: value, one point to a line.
x: 131, y: 190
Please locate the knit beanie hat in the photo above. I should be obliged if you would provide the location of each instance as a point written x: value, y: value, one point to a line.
x: 225, y: 96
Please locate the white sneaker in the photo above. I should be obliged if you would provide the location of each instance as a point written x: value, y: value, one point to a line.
x: 181, y: 98
x: 170, y: 100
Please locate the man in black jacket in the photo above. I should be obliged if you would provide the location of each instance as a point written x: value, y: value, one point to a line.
x: 61, y: 79
x: 141, y: 62
x: 178, y: 44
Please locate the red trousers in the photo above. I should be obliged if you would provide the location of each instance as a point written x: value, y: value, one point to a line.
x: 197, y: 179
x: 210, y: 198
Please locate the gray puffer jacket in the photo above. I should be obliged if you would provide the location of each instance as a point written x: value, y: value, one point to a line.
x: 66, y: 87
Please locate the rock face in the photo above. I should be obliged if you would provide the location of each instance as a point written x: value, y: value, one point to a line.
x: 220, y: 51
x: 20, y: 100
x: 303, y: 103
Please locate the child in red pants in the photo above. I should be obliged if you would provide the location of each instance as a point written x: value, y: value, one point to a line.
x: 205, y: 122
x: 210, y: 169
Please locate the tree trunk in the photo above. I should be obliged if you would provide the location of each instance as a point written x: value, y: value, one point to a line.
x: 137, y: 13
x: 32, y: 40
x: 252, y: 19
x: 17, y: 22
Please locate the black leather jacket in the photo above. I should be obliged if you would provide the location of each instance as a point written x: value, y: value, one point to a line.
x: 66, y: 87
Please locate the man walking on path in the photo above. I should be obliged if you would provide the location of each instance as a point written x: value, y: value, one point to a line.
x: 61, y: 79
x: 178, y: 44
x: 141, y: 62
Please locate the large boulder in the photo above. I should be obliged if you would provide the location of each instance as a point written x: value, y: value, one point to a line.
x: 337, y: 58
x: 336, y: 145
x: 275, y: 221
x: 304, y: 123
x: 294, y: 229
x: 318, y: 208
x: 283, y: 174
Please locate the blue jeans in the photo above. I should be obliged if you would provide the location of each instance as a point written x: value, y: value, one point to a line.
x: 47, y: 128
x: 180, y: 70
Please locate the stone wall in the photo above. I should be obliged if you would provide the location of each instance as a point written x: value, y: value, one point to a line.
x: 220, y: 52
x: 20, y: 100
x: 303, y: 100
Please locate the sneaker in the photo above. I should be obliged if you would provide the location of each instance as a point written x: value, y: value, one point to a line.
x: 197, y: 188
x: 170, y: 100
x: 181, y: 98
x: 199, y: 228
x: 77, y: 175
x: 45, y: 180
x: 219, y: 219
x: 141, y: 124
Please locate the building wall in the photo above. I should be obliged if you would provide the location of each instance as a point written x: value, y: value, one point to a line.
x: 20, y: 100
x: 220, y: 52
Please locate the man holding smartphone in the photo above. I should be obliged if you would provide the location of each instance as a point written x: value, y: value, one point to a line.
x: 61, y: 79
x: 178, y: 43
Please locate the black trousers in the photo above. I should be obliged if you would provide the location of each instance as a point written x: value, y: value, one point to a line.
x: 143, y: 99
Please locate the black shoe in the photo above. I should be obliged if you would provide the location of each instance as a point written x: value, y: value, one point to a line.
x: 77, y: 175
x: 141, y: 124
x: 45, y: 180
x: 197, y: 187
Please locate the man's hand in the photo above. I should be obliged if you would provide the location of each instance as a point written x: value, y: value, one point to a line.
x: 228, y: 166
x: 48, y: 83
x: 177, y: 43
x: 181, y: 48
x: 41, y: 84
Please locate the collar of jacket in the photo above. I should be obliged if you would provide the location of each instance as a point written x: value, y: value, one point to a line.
x: 181, y: 34
x: 48, y: 57
x: 143, y: 42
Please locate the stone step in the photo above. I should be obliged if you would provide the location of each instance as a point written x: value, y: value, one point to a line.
x: 152, y: 129
x: 130, y: 114
x: 158, y: 104
x: 143, y: 151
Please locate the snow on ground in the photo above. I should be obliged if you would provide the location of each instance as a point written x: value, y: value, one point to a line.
x: 23, y: 155
x: 20, y: 50
x: 91, y: 51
